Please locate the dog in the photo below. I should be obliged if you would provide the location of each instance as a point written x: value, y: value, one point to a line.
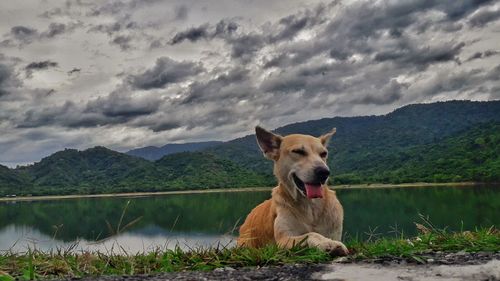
x: 302, y: 208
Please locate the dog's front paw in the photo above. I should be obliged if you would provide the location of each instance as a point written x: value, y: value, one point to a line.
x: 334, y: 248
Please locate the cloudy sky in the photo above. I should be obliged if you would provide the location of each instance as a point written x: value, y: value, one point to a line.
x: 131, y: 73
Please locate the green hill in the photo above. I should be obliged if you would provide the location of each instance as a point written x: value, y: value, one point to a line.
x: 470, y: 155
x: 10, y: 179
x: 101, y: 170
x: 89, y: 171
x: 361, y: 141
x: 447, y: 141
x: 200, y: 170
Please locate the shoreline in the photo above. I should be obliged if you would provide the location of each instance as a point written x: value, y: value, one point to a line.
x: 218, y: 190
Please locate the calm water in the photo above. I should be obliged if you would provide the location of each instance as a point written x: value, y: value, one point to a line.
x: 191, y: 220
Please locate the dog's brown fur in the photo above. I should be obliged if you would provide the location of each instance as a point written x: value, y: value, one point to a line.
x: 289, y: 217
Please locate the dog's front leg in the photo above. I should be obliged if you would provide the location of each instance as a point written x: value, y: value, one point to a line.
x: 313, y: 239
x: 285, y: 236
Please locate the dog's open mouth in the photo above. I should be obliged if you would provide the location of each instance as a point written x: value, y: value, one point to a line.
x: 310, y: 190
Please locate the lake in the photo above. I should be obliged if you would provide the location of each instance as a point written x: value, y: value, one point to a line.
x: 211, y: 219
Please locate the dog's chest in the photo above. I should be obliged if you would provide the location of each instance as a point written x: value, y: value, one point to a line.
x: 319, y: 221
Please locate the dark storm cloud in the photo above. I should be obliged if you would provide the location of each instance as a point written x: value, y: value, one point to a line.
x: 166, y: 71
x: 422, y: 56
x: 192, y: 34
x: 52, y: 13
x: 112, y: 109
x: 279, y: 60
x: 5, y: 77
x: 205, y: 31
x: 74, y: 70
x: 458, y: 9
x: 290, y: 26
x: 387, y: 95
x: 23, y: 33
x: 124, y: 23
x: 458, y: 81
x: 165, y: 126
x: 155, y: 43
x: 484, y: 17
x: 122, y: 41
x: 181, y: 12
x: 356, y: 28
x: 117, y: 7
x: 54, y: 30
x: 231, y: 85
x: 107, y: 28
x: 45, y: 116
x: 122, y: 107
x: 313, y: 78
x: 9, y: 82
x: 485, y: 54
x: 215, y: 114
x: 41, y: 65
x: 225, y: 27
x: 244, y: 47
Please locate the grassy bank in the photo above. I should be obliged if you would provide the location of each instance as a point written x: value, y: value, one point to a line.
x: 66, y: 263
x: 242, y: 189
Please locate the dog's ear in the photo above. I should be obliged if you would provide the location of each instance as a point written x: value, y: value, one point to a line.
x: 268, y: 142
x: 326, y: 137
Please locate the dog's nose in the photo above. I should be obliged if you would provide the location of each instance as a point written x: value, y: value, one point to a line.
x: 321, y: 174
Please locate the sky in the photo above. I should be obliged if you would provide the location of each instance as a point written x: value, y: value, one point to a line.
x: 132, y: 73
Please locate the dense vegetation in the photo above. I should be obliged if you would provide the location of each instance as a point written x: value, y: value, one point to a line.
x: 365, y: 149
x: 472, y: 155
x: 439, y: 142
x: 11, y: 180
x: 101, y: 170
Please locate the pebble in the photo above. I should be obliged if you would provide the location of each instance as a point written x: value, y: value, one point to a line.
x: 221, y: 269
x: 341, y: 260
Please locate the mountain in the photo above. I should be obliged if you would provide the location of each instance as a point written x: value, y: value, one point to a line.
x: 89, y: 171
x: 101, y: 170
x: 438, y: 142
x: 11, y: 179
x: 202, y: 170
x: 469, y: 155
x: 153, y: 153
x: 361, y: 141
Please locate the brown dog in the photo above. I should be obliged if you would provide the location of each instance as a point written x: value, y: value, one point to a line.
x: 302, y: 207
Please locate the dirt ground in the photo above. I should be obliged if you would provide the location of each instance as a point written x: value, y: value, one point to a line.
x: 431, y: 266
x: 395, y: 272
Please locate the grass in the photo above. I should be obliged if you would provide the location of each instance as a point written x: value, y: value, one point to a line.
x: 68, y: 263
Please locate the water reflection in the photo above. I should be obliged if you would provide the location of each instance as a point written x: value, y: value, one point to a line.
x: 22, y: 239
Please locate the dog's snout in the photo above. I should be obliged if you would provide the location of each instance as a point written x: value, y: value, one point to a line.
x: 321, y: 174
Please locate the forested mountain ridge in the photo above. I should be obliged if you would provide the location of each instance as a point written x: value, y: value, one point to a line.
x: 361, y: 141
x: 154, y: 153
x: 101, y: 170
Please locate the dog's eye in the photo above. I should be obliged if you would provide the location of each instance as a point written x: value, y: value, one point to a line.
x: 300, y: 152
x: 323, y: 154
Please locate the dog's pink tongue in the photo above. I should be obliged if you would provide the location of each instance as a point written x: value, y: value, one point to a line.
x: 313, y: 190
